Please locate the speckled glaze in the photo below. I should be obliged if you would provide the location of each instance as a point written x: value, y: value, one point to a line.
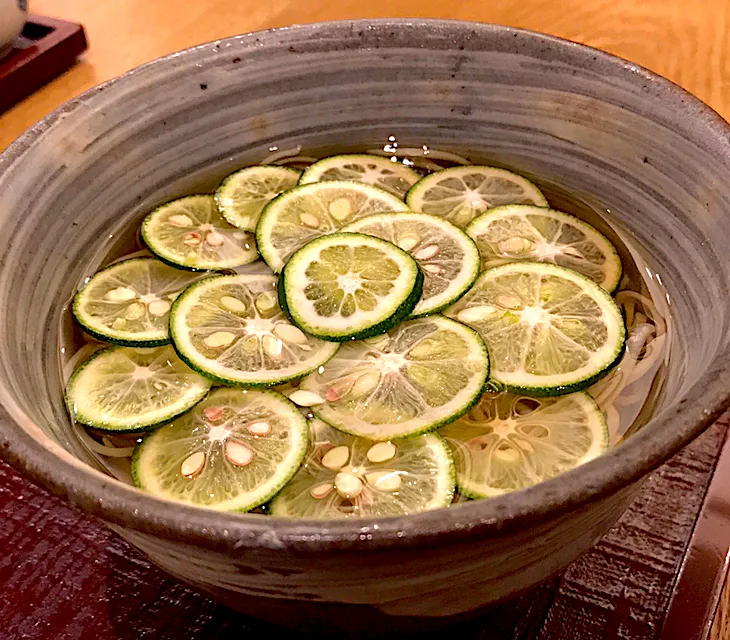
x: 603, y: 129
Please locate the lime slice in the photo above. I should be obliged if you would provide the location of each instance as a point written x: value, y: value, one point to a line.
x: 129, y: 302
x: 448, y: 259
x: 126, y: 390
x: 460, y: 194
x: 313, y: 210
x: 243, y: 195
x: 509, y: 442
x: 522, y: 232
x: 347, y: 285
x: 419, y: 376
x: 232, y: 452
x: 393, y: 176
x: 549, y: 330
x: 190, y: 233
x: 348, y: 477
x: 232, y: 330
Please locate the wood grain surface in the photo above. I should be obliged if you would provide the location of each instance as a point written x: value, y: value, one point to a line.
x: 63, y: 576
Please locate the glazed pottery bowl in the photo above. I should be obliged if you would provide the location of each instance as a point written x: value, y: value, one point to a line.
x: 651, y: 157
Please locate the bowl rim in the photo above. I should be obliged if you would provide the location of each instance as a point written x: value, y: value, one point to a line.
x: 54, y: 468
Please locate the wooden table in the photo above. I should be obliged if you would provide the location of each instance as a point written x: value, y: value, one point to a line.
x: 63, y: 576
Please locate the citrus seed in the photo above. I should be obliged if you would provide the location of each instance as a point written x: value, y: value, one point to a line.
x: 384, y: 480
x: 259, y: 428
x: 289, y: 333
x: 233, y: 304
x: 348, y: 485
x: 213, y: 413
x: 340, y: 209
x: 193, y: 465
x: 121, y: 294
x: 309, y: 220
x: 180, y: 220
x: 321, y: 490
x: 219, y: 339
x: 381, y: 452
x: 475, y: 314
x: 305, y: 398
x: 426, y: 253
x: 366, y: 383
x: 433, y: 269
x: 159, y: 307
x: 408, y: 242
x: 515, y: 245
x: 509, y: 301
x: 214, y: 239
x: 336, y: 458
x: 272, y: 345
x: 191, y: 239
x: 238, y: 453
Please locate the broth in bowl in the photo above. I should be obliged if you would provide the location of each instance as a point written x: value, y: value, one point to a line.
x: 365, y: 334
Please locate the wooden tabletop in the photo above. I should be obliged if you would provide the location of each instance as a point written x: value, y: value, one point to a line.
x: 684, y: 40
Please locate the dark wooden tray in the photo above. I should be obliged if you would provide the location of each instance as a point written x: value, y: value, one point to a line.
x: 64, y: 576
x: 45, y: 49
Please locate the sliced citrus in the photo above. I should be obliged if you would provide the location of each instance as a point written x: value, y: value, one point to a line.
x: 344, y: 476
x: 549, y: 330
x: 243, y: 195
x: 313, y: 210
x: 522, y: 232
x: 448, y: 259
x: 125, y: 389
x: 129, y: 302
x: 346, y: 286
x: 232, y: 452
x: 393, y: 176
x: 509, y: 442
x: 232, y: 330
x: 190, y: 233
x: 417, y: 377
x: 460, y: 194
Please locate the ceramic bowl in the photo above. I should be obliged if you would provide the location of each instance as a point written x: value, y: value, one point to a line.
x: 637, y: 147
